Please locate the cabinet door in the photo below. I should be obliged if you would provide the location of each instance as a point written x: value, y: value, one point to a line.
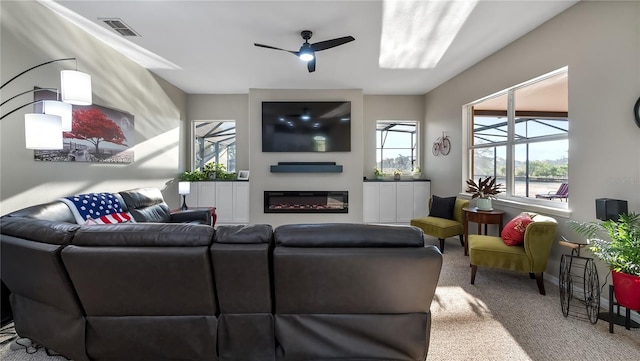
x: 404, y: 202
x: 241, y: 202
x: 224, y: 202
x: 421, y: 195
x: 370, y: 202
x: 387, y: 202
x: 206, y: 194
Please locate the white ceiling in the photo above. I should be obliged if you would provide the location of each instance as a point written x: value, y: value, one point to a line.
x: 206, y: 47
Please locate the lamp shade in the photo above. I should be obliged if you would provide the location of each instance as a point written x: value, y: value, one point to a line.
x: 184, y: 188
x: 75, y: 87
x: 43, y: 131
x: 63, y: 110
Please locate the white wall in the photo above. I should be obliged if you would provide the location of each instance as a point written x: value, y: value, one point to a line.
x: 32, y: 34
x: 600, y: 43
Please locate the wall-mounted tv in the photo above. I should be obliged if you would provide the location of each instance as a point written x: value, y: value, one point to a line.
x: 311, y: 126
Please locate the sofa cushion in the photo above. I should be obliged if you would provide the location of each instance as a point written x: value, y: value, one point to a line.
x: 144, y: 235
x: 244, y: 234
x: 348, y: 235
x: 53, y: 211
x: 438, y: 227
x: 146, y: 205
x: 39, y: 230
x: 442, y: 207
x: 513, y: 233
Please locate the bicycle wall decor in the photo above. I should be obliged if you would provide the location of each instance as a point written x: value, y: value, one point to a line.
x: 442, y: 145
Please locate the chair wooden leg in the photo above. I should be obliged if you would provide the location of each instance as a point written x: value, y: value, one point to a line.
x: 441, y: 245
x: 462, y: 240
x: 474, y: 268
x: 540, y: 283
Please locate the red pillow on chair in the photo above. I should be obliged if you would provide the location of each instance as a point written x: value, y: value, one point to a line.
x: 513, y: 232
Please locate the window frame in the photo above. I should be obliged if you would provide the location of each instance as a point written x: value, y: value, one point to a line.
x: 414, y: 148
x: 192, y: 141
x: 511, y: 142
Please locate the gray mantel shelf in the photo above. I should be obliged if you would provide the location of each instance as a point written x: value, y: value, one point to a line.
x: 400, y: 180
x: 318, y: 167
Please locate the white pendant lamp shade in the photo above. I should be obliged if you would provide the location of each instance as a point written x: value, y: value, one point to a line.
x: 184, y: 188
x: 63, y: 110
x: 75, y: 87
x: 43, y: 131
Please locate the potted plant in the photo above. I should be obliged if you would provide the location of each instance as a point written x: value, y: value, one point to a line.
x: 210, y: 171
x: 396, y: 174
x: 485, y: 190
x: 621, y: 252
x: 417, y: 173
x: 378, y: 173
x: 194, y: 176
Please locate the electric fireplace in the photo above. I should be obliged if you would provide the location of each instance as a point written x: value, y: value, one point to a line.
x: 306, y: 202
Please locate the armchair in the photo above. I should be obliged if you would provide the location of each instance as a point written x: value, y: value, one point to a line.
x: 531, y: 256
x: 442, y: 228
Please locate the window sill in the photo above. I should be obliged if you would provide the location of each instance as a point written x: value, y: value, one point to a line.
x: 529, y: 207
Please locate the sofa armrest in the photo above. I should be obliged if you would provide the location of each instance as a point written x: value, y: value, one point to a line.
x: 199, y: 216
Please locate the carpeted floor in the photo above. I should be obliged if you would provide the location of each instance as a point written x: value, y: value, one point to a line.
x: 501, y: 317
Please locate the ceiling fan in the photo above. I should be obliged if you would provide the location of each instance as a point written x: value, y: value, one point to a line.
x: 307, y: 51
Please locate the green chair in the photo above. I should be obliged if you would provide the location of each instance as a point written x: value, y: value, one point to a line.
x: 531, y: 257
x: 442, y: 228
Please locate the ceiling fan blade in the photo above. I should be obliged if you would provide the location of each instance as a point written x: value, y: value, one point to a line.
x: 274, y: 48
x: 311, y: 65
x: 327, y: 44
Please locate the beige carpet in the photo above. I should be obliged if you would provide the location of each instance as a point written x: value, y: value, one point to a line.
x: 501, y: 317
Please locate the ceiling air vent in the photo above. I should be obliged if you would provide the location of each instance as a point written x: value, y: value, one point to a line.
x: 119, y: 26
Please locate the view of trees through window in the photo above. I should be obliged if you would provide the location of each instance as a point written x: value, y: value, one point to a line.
x: 396, y: 146
x: 525, y: 148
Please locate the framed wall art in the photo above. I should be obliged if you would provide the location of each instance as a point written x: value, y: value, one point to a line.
x: 99, y: 134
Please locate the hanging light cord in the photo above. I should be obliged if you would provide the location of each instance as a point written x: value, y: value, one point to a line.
x: 37, y: 66
x: 29, y: 91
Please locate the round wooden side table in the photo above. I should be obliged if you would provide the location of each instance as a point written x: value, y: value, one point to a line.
x: 472, y: 214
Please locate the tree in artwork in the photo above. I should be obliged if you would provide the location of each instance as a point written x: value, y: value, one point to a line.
x: 92, y: 125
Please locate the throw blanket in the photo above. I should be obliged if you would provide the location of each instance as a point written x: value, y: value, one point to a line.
x: 97, y: 208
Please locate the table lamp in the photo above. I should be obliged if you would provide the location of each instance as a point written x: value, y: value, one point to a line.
x: 184, y: 188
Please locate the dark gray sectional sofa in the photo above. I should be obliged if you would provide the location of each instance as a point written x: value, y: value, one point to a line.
x: 181, y: 291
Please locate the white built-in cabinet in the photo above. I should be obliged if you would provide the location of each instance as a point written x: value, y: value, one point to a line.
x: 395, y: 202
x: 230, y: 198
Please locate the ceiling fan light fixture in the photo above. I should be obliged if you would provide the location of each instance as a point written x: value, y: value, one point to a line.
x: 305, y: 54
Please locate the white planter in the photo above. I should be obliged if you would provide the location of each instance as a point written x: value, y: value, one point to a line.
x: 484, y: 204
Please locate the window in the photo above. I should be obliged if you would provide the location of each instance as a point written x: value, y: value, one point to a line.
x: 396, y: 145
x: 521, y: 136
x: 214, y: 141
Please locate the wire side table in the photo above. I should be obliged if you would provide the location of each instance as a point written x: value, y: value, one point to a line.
x: 579, y: 283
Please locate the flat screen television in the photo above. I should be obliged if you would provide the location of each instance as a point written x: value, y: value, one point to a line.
x: 311, y: 126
